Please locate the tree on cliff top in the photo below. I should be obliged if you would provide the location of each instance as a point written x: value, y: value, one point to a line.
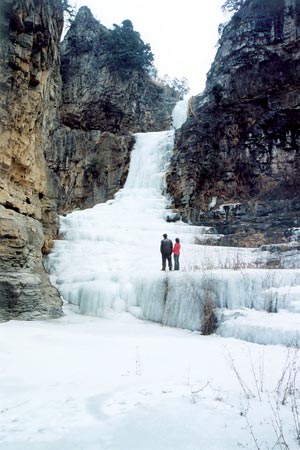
x: 128, y: 51
x: 69, y: 13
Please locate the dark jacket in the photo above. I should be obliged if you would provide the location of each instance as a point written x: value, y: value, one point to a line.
x: 166, y: 247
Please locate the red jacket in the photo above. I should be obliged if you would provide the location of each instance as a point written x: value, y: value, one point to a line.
x: 176, y: 249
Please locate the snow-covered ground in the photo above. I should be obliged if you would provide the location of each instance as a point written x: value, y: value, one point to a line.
x: 90, y: 383
x: 126, y: 367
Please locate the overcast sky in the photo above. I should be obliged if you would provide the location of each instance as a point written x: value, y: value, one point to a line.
x: 182, y: 35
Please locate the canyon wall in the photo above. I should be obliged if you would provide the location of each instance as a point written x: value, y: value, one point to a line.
x: 30, y: 92
x: 236, y: 161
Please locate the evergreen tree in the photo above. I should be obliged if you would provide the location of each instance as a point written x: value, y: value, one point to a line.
x: 128, y: 51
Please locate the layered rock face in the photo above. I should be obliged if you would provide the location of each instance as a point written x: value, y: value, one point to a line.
x: 100, y: 110
x: 90, y: 166
x: 236, y: 161
x: 30, y: 86
x: 25, y: 290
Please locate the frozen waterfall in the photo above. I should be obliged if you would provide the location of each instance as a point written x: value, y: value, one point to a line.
x: 108, y: 261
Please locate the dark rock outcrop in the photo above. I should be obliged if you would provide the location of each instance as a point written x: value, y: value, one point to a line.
x: 90, y: 166
x: 241, y: 143
x: 95, y: 97
x: 25, y: 290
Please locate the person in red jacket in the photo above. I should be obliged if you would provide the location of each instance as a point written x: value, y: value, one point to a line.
x: 176, y: 253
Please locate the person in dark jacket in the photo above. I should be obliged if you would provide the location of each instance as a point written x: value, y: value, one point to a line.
x: 166, y: 249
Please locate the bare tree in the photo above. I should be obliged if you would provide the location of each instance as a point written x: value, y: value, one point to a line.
x: 232, y: 5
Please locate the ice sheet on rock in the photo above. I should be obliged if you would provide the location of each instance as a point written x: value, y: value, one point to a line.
x: 261, y: 327
x: 176, y: 299
x: 116, y: 244
x: 109, y: 259
x: 180, y: 113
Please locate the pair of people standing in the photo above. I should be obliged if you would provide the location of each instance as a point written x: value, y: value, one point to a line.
x: 166, y: 250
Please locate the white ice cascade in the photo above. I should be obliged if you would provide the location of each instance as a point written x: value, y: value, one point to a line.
x: 106, y: 248
x: 108, y: 261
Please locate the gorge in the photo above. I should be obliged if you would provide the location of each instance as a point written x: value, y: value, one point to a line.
x: 94, y: 167
x: 67, y: 133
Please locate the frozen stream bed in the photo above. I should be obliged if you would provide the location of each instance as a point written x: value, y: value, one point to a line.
x: 92, y: 383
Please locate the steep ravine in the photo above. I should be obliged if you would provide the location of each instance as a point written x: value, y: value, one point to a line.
x: 67, y: 123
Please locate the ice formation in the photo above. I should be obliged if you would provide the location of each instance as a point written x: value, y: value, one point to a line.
x: 109, y: 261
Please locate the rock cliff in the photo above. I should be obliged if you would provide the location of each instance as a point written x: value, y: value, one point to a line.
x: 95, y: 97
x: 90, y: 166
x: 236, y: 161
x: 30, y: 86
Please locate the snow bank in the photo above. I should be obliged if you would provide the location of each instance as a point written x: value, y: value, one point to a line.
x: 261, y: 327
x: 80, y: 382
